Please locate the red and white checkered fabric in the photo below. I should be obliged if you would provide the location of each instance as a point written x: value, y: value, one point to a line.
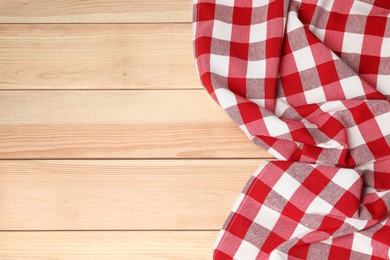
x: 309, y: 81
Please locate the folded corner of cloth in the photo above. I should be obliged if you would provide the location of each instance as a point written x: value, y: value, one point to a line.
x: 308, y: 81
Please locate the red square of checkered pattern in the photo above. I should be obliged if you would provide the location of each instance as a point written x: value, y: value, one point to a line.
x: 376, y: 25
x: 205, y: 11
x: 308, y: 81
x: 240, y: 227
x: 327, y: 73
x: 273, y: 242
x: 337, y: 252
x: 369, y: 64
x: 204, y: 44
x: 242, y: 15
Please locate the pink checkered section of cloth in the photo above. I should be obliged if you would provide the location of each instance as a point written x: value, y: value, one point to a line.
x: 309, y: 81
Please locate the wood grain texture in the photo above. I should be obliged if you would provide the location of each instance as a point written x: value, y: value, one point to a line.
x: 118, y: 124
x: 109, y: 146
x: 95, y: 11
x: 135, y: 245
x: 120, y: 194
x: 90, y: 56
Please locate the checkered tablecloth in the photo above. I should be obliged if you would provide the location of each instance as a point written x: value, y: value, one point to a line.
x: 309, y: 81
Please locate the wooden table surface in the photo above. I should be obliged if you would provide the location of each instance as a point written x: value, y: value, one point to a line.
x: 109, y: 146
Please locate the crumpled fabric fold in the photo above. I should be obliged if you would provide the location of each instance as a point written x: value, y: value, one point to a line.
x: 308, y: 81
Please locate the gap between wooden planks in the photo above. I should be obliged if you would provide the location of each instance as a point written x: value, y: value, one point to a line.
x: 134, y: 245
x: 95, y: 11
x: 118, y: 124
x: 103, y: 56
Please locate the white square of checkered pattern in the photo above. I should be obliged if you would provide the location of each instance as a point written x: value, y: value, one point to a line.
x: 361, y: 244
x: 260, y: 3
x: 286, y: 186
x: 258, y: 32
x: 360, y: 8
x: 304, y: 59
x: 383, y: 81
x: 315, y: 95
x: 319, y: 206
x: 225, y: 2
x: 246, y: 251
x: 255, y: 69
x: 352, y: 87
x: 385, y: 50
x: 352, y: 42
x: 301, y: 231
x: 267, y: 217
x: 383, y: 121
x: 275, y: 126
x: 356, y: 138
x: 219, y: 64
x: 226, y: 98
x: 222, y: 30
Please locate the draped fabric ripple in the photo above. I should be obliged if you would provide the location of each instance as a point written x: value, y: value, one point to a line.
x: 308, y: 81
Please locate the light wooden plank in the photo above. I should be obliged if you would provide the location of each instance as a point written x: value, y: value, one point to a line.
x: 120, y: 194
x: 89, y: 56
x: 170, y: 245
x: 118, y: 124
x: 95, y: 11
